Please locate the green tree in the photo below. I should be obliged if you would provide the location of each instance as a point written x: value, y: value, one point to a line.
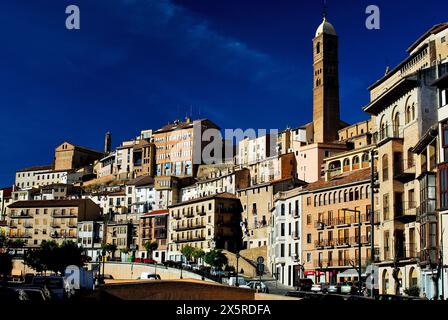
x: 53, y: 257
x: 151, y: 247
x: 187, y: 252
x: 110, y: 248
x: 216, y: 258
x: 198, y: 254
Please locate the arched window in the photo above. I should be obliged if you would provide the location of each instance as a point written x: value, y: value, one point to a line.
x: 408, y: 114
x: 385, y: 166
x: 396, y: 122
x: 356, y: 194
x: 334, y: 196
x: 350, y: 195
x: 361, y: 193
x: 340, y: 199
x: 315, y: 201
x: 413, y: 110
x: 318, y: 47
x: 367, y: 192
x: 345, y: 195
x: 365, y: 160
x: 355, y: 162
x: 320, y: 200
x: 325, y: 199
x: 346, y: 164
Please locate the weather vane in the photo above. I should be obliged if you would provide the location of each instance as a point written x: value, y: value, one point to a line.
x: 325, y: 9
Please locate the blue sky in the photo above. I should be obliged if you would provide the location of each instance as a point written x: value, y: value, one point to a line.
x: 137, y: 64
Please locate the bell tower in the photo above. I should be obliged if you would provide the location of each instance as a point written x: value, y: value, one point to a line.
x: 326, y: 119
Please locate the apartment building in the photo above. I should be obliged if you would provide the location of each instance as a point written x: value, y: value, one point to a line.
x: 257, y: 202
x: 154, y: 228
x: 37, y: 220
x: 206, y: 223
x: 5, y: 200
x: 253, y: 150
x: 26, y: 178
x: 285, y: 233
x: 57, y: 191
x: 90, y: 236
x: 331, y: 236
x: 179, y: 147
x: 144, y: 158
x: 214, y: 179
x: 124, y: 161
x: 68, y: 156
x: 403, y: 103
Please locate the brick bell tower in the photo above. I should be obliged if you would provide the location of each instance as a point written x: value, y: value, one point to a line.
x: 326, y: 120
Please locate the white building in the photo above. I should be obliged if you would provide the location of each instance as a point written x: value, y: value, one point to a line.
x: 284, y: 245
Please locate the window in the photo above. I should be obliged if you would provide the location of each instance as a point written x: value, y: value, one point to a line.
x: 282, y: 250
x: 308, y: 238
x: 308, y: 219
x: 318, y: 48
x: 443, y: 185
x: 385, y: 165
x: 443, y: 97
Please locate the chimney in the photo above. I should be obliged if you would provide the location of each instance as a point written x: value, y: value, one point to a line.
x: 107, y: 143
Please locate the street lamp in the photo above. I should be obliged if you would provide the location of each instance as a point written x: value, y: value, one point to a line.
x: 359, y: 246
x: 237, y: 258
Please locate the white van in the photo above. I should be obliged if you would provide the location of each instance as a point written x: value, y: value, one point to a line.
x: 149, y: 276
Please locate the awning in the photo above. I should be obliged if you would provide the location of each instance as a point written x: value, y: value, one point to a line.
x: 350, y: 273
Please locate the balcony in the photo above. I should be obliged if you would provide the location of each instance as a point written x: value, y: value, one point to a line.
x: 191, y: 226
x: 20, y: 235
x: 404, y: 170
x: 21, y: 215
x: 13, y: 224
x: 387, y: 133
x: 429, y: 256
x: 339, y: 222
x: 201, y: 212
x: 28, y: 225
x: 60, y: 214
x: 408, y: 251
x: 405, y: 211
x: 189, y: 239
x: 189, y: 214
x: 55, y: 225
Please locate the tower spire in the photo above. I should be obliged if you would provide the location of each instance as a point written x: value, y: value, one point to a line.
x: 324, y: 13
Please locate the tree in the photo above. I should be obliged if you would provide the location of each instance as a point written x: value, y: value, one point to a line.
x: 187, y: 252
x: 151, y: 247
x: 198, y: 254
x: 110, y: 248
x: 5, y: 265
x: 215, y: 258
x: 52, y: 257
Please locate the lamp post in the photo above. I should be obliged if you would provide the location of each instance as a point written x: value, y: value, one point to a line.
x: 359, y: 246
x: 237, y: 258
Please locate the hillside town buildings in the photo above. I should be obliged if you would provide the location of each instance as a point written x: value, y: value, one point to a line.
x: 317, y: 200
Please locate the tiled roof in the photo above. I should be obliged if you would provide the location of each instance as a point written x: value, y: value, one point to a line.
x: 341, y: 179
x: 224, y: 195
x: 156, y: 212
x: 48, y: 203
x: 141, y: 181
x: 37, y: 168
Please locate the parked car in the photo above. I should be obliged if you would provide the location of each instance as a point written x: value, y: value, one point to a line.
x: 171, y: 263
x: 217, y: 272
x: 333, y: 288
x: 320, y: 287
x: 149, y: 261
x: 304, y: 284
x: 56, y: 285
x: 259, y: 286
x: 150, y: 276
x: 187, y: 265
x: 241, y: 281
x: 196, y: 267
x: 12, y: 294
x: 347, y: 287
x: 35, y: 294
